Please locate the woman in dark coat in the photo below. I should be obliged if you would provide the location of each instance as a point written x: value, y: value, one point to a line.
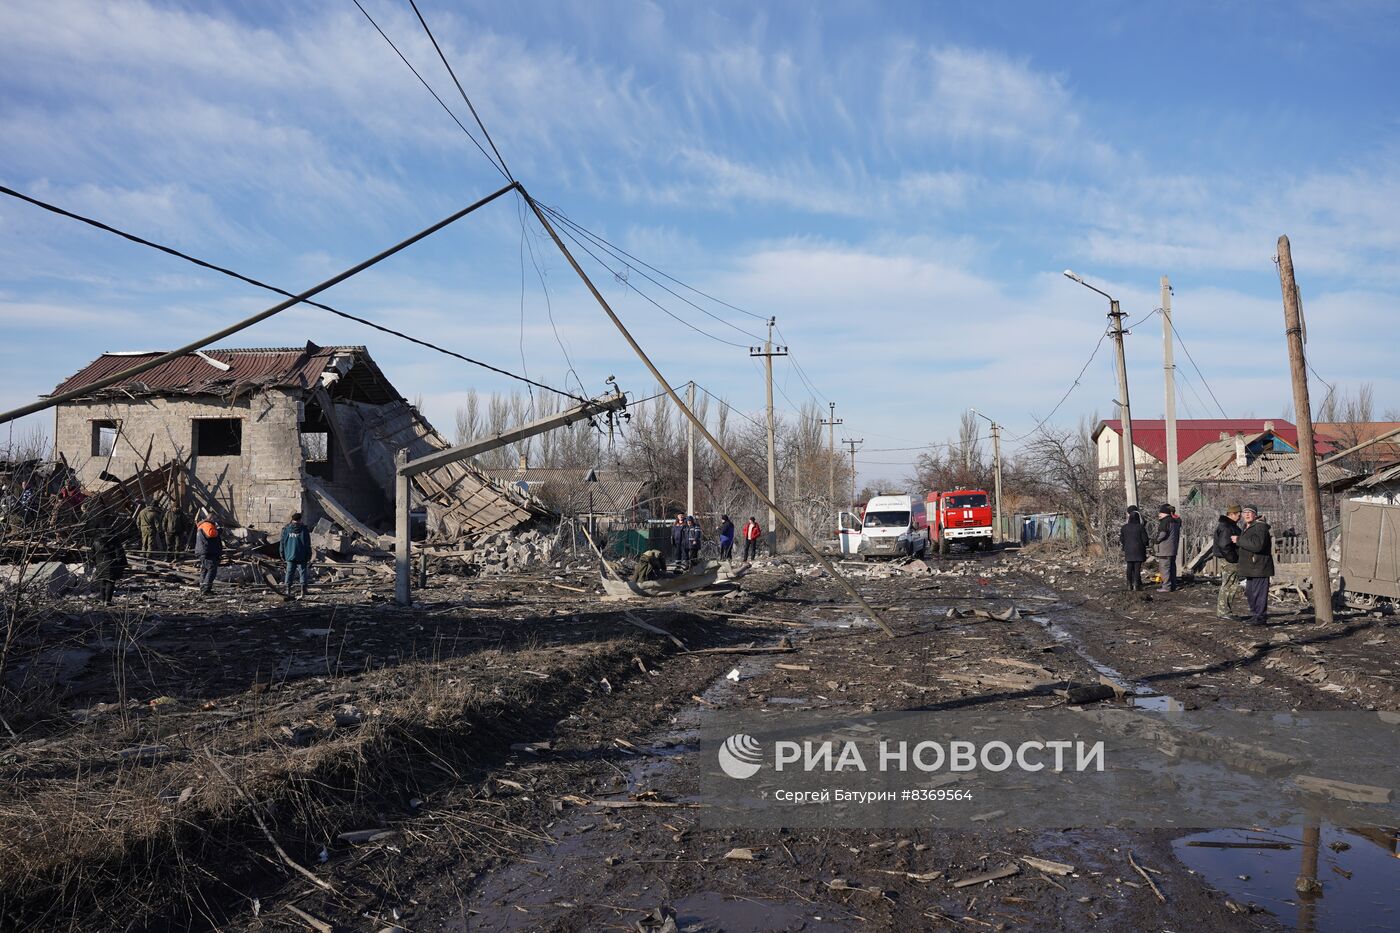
x: 1133, y: 537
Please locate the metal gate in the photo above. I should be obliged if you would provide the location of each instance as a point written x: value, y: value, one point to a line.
x: 1371, y: 548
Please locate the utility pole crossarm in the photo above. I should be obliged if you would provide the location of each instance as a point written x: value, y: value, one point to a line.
x: 407, y: 469
x: 596, y: 406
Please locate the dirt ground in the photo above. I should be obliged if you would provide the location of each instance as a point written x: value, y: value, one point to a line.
x: 250, y: 764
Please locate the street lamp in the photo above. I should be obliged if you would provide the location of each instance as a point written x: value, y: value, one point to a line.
x: 996, y: 471
x: 1129, y: 456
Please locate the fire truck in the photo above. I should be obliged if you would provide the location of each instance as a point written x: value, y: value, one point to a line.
x: 962, y: 516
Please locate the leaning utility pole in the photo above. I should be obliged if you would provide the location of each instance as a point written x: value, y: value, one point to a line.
x: 853, y: 444
x: 690, y: 453
x: 1130, y: 490
x: 719, y: 450
x: 405, y: 469
x: 768, y: 351
x: 831, y: 424
x: 1307, y: 449
x: 1169, y: 375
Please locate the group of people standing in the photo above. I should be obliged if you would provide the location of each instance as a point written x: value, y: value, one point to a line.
x: 687, y: 538
x: 1245, y: 552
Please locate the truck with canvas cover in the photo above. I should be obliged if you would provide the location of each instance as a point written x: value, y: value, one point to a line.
x: 962, y: 516
x: 888, y: 526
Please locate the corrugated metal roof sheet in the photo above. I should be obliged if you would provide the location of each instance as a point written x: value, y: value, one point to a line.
x: 248, y: 368
x: 1194, y: 433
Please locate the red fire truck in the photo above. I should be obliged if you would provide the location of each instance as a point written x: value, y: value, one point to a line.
x: 962, y: 516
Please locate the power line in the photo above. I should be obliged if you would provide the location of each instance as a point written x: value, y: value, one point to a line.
x: 142, y: 241
x: 561, y: 216
x: 502, y: 167
x: 425, y: 84
x: 1177, y: 334
x: 628, y: 284
x: 614, y: 251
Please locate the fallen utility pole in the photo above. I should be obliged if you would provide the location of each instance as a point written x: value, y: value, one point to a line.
x: 699, y: 425
x: 1307, y: 445
x: 1169, y: 378
x: 140, y: 368
x: 768, y: 351
x: 831, y: 424
x: 407, y: 469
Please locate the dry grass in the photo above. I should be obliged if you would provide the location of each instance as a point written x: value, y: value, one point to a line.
x: 88, y: 834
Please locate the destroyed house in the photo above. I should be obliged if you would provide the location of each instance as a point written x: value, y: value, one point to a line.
x: 261, y: 433
x: 601, y: 494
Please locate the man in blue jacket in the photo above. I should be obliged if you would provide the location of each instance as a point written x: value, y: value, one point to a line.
x: 296, y: 551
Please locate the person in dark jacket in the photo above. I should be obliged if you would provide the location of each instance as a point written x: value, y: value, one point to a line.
x: 1256, y: 550
x: 1227, y: 552
x: 1133, y: 537
x: 693, y: 539
x: 209, y: 548
x: 296, y: 551
x: 108, y: 561
x: 173, y: 528
x: 726, y: 538
x: 678, y: 538
x: 1168, y: 542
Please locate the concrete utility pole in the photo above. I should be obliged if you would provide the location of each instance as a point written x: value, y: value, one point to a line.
x: 831, y: 424
x: 690, y: 453
x: 1129, y: 452
x: 1130, y: 490
x: 853, y: 444
x: 1307, y: 449
x: 1169, y: 375
x: 997, y: 536
x: 768, y: 351
x: 407, y: 469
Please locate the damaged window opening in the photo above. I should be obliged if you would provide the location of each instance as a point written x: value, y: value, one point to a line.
x: 104, y: 437
x: 218, y: 437
x: 316, y: 452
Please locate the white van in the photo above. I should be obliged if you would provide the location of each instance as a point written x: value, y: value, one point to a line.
x: 889, y: 526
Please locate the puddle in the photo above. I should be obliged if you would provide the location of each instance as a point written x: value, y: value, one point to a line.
x: 1140, y: 695
x: 714, y: 912
x: 1268, y: 877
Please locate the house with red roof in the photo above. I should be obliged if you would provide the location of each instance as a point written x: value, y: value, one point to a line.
x: 1192, y: 434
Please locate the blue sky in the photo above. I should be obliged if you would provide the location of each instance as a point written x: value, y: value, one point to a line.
x: 900, y: 184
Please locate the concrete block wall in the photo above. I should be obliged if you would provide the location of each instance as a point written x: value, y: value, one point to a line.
x: 257, y: 488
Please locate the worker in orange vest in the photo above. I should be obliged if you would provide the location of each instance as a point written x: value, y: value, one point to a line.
x: 209, y: 548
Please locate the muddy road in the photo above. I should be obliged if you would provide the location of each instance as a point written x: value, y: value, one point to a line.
x: 583, y: 826
x: 523, y: 761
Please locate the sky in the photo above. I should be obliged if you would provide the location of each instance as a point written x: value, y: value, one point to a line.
x: 899, y: 184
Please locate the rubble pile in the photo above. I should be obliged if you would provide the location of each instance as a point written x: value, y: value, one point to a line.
x: 506, y: 551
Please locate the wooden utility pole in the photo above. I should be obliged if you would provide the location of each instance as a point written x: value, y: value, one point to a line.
x: 853, y: 444
x: 1129, y: 457
x: 1307, y: 448
x: 831, y: 424
x: 1169, y: 376
x: 768, y: 351
x: 690, y: 453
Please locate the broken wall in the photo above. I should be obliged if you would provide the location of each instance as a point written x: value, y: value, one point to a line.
x: 257, y: 487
